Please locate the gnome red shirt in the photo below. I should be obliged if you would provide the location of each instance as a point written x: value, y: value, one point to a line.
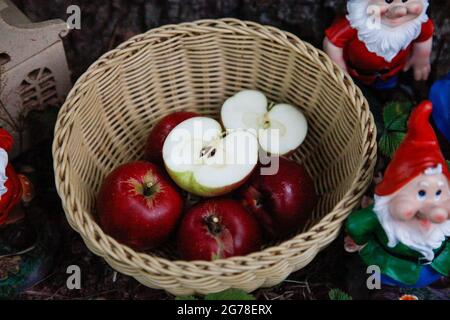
x: 367, y: 66
x: 13, y: 185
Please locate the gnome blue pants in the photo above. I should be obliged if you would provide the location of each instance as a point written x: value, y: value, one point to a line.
x: 385, y: 84
x: 427, y: 276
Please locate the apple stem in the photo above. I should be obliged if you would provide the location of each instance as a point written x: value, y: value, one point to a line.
x: 213, y: 224
x: 150, y: 189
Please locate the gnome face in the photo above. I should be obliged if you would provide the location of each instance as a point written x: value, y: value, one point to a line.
x: 3, y: 177
x: 387, y: 26
x: 6, y: 142
x: 417, y: 215
x: 397, y: 12
x: 426, y: 198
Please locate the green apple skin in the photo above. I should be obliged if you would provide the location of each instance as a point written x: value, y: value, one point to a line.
x: 187, y: 182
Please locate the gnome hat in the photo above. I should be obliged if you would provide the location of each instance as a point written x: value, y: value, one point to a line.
x: 6, y: 140
x: 418, y: 152
x: 10, y: 185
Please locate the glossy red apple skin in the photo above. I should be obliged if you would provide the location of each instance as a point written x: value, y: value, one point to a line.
x: 238, y: 234
x: 159, y: 133
x: 140, y: 221
x: 282, y: 202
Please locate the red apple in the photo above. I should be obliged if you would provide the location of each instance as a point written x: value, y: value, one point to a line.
x: 280, y: 128
x: 138, y: 205
x: 159, y: 133
x: 218, y: 228
x: 203, y: 161
x: 282, y: 201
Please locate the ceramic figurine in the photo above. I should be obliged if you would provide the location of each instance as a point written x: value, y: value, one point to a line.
x: 378, y: 39
x: 405, y: 231
x: 10, y: 185
x: 29, y: 238
x: 440, y: 97
x: 14, y: 187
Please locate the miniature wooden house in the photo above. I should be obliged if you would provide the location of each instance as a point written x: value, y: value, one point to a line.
x: 33, y: 70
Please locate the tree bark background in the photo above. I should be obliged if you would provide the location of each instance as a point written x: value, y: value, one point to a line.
x: 106, y: 23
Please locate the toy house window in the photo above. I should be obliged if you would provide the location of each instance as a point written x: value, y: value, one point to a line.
x: 4, y: 58
x: 38, y: 89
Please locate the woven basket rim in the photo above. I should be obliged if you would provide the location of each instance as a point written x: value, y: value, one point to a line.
x: 321, y: 228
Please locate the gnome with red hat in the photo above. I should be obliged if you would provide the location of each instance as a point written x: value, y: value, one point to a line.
x: 378, y: 39
x: 13, y: 187
x: 405, y: 233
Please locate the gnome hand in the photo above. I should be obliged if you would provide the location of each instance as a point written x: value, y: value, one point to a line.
x: 27, y: 189
x: 335, y: 53
x: 420, y: 60
x: 351, y: 246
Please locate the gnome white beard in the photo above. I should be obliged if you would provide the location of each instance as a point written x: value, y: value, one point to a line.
x: 384, y: 41
x: 410, y: 233
x: 3, y: 177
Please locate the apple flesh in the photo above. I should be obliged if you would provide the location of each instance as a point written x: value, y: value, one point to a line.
x: 159, y: 133
x: 280, y: 129
x: 282, y: 202
x: 138, y: 205
x: 216, y: 229
x: 204, y: 162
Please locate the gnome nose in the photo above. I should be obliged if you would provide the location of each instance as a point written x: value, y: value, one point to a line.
x: 438, y: 215
x: 397, y: 12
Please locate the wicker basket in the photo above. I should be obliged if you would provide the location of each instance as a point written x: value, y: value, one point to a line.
x: 196, y: 66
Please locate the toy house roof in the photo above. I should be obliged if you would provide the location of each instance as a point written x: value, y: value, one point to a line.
x: 21, y: 39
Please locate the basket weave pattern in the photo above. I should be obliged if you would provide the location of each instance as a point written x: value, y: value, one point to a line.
x: 196, y: 66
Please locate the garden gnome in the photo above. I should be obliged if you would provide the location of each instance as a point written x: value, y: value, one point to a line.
x: 378, y: 39
x: 405, y: 232
x: 13, y: 187
x: 28, y: 240
x: 10, y: 185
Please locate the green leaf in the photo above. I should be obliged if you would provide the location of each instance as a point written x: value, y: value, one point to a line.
x: 389, y: 143
x: 230, y: 294
x: 395, y: 115
x: 337, y: 294
x: 448, y: 164
x: 399, y: 123
x: 186, y: 298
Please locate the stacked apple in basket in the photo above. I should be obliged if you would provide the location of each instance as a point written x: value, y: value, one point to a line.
x: 247, y: 191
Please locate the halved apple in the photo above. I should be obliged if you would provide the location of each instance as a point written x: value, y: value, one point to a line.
x: 280, y: 128
x: 205, y: 161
